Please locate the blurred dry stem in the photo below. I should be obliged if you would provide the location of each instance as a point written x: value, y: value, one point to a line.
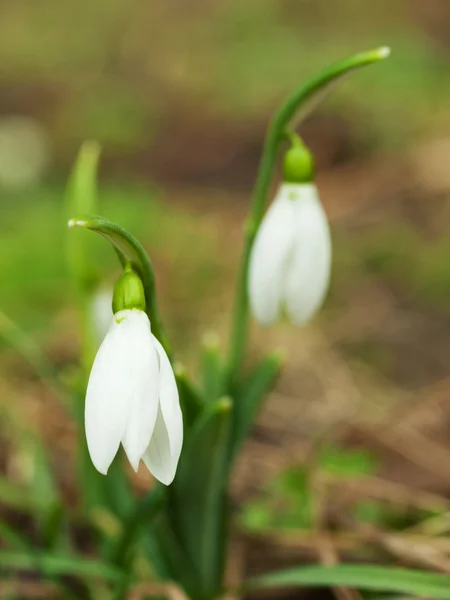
x: 30, y: 589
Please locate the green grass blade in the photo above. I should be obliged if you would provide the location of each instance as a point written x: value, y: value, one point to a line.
x: 174, y: 562
x: 249, y: 396
x: 212, y: 368
x: 191, y: 402
x: 81, y: 198
x: 363, y: 577
x: 52, y: 564
x: 140, y: 517
x: 198, y: 493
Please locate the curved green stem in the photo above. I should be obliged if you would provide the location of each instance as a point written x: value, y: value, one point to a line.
x: 129, y: 250
x: 312, y: 90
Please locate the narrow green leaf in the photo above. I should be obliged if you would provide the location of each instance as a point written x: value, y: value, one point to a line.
x: 176, y: 563
x: 53, y: 525
x: 81, y: 192
x: 51, y: 564
x: 190, y: 400
x: 364, y: 577
x: 44, y: 484
x: 198, y: 494
x: 249, y: 397
x: 129, y: 249
x: 212, y: 368
x: 140, y: 517
x: 118, y: 492
x: 81, y: 198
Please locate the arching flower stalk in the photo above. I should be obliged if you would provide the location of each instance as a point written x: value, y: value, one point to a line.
x: 132, y: 397
x: 290, y: 262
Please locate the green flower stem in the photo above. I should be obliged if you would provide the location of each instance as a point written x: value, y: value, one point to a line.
x: 129, y: 250
x: 313, y: 90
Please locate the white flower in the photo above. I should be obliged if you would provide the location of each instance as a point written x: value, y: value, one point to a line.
x: 132, y: 398
x: 291, y: 257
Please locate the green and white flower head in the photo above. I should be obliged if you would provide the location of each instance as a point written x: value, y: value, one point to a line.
x: 290, y: 262
x: 132, y: 397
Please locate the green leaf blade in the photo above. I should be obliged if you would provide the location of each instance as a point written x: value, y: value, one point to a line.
x: 52, y: 564
x: 81, y: 198
x: 250, y: 395
x: 198, y: 494
x: 364, y: 577
x: 191, y: 401
x: 212, y: 368
x: 142, y: 514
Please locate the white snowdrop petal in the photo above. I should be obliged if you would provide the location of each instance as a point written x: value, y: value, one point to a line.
x: 144, y: 383
x: 107, y: 406
x: 308, y: 274
x: 170, y: 403
x: 164, y: 450
x: 157, y: 457
x: 270, y: 255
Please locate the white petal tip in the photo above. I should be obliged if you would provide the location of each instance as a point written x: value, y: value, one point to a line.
x: 76, y: 223
x: 101, y: 470
x: 384, y: 52
x: 135, y: 465
x: 166, y: 481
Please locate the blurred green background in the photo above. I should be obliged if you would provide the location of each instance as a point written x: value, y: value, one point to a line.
x: 178, y: 94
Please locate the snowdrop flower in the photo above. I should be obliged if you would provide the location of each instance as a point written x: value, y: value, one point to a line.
x: 132, y: 397
x: 291, y: 258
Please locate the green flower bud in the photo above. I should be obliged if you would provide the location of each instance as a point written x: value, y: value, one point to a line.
x: 298, y: 163
x: 128, y: 292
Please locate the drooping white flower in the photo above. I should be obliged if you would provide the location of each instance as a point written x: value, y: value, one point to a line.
x: 132, y: 399
x: 290, y: 262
